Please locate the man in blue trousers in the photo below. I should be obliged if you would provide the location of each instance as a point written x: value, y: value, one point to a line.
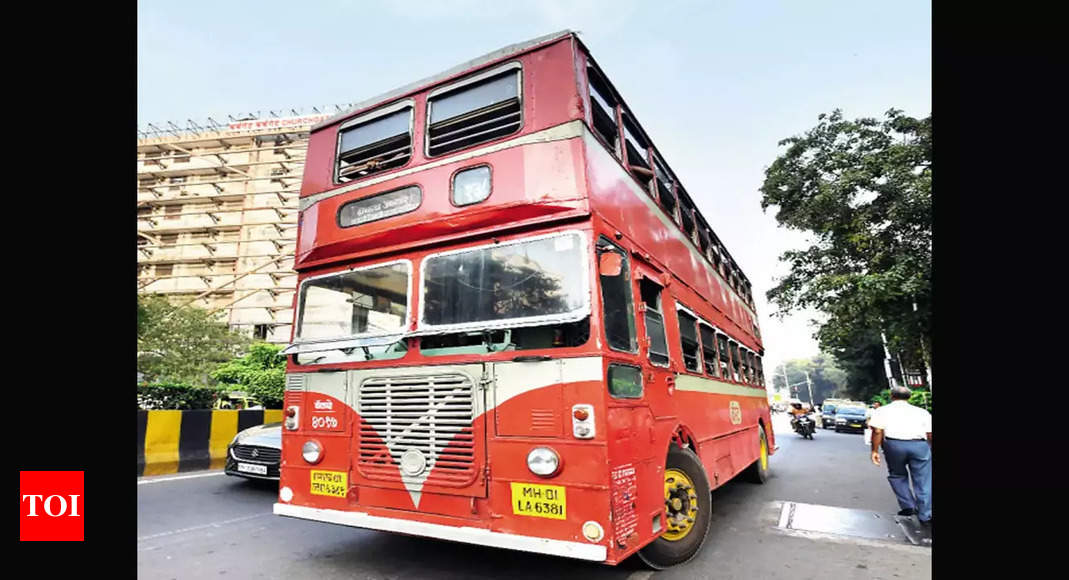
x: 905, y: 433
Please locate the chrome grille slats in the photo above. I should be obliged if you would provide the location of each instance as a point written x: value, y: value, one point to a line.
x: 263, y: 454
x: 430, y: 413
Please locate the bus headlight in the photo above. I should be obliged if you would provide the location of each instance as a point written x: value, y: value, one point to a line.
x: 312, y: 452
x: 543, y: 461
x: 593, y: 531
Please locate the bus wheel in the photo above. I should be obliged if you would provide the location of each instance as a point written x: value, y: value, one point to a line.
x: 758, y: 470
x: 688, y: 509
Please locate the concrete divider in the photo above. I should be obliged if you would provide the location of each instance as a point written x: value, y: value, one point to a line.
x: 175, y: 441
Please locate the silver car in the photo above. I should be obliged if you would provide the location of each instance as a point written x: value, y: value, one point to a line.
x: 256, y: 452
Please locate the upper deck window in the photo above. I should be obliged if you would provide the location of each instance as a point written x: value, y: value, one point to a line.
x: 637, y: 153
x: 602, y: 108
x: 474, y: 112
x: 664, y: 188
x: 375, y: 142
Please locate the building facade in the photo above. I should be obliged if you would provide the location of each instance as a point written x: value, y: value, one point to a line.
x: 217, y: 216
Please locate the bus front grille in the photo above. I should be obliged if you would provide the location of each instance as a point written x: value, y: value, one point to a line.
x: 429, y: 418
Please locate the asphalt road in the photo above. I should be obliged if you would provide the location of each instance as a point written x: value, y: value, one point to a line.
x: 208, y: 525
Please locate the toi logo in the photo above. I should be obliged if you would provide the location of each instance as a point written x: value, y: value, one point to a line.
x: 51, y: 506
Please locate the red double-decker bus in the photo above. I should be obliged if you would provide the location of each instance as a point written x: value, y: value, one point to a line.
x: 513, y: 326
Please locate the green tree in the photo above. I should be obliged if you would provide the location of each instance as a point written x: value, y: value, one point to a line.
x: 862, y: 189
x: 181, y: 344
x: 827, y: 378
x: 261, y: 373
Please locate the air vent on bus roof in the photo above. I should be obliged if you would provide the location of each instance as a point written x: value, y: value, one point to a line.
x: 382, y: 143
x: 475, y: 113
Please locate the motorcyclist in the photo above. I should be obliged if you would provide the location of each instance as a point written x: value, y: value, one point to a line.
x: 796, y: 411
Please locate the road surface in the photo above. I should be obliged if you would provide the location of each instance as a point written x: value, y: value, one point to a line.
x: 207, y: 525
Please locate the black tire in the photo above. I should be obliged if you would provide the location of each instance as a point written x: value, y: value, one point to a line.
x: 754, y: 473
x: 661, y: 553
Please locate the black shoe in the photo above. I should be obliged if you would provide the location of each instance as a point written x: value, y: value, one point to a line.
x: 907, y: 512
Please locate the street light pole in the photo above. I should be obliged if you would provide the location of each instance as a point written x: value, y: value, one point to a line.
x: 809, y: 384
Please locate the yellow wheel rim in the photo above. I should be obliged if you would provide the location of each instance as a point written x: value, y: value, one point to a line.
x: 681, y: 504
x: 764, y: 454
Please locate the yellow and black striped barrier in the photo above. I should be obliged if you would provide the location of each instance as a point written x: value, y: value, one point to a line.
x: 174, y: 441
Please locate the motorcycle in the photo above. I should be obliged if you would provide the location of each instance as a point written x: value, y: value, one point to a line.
x: 805, y: 426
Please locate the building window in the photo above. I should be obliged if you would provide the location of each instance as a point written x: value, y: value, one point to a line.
x: 625, y: 381
x: 374, y: 143
x: 658, y: 344
x: 688, y: 337
x: 618, y: 312
x: 259, y: 331
x: 475, y: 112
x: 164, y: 270
x: 709, y: 350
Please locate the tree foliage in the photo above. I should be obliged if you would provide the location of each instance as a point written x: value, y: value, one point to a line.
x: 862, y: 190
x: 181, y: 344
x: 261, y: 373
x: 828, y: 380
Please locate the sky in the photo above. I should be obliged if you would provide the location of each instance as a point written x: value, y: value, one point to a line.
x: 716, y: 85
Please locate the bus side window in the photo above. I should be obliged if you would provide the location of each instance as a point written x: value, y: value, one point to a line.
x: 725, y: 363
x: 688, y: 338
x: 744, y: 355
x: 618, y: 311
x: 752, y: 368
x: 651, y: 297
x: 709, y: 350
x: 735, y: 366
x: 760, y: 371
x: 625, y: 381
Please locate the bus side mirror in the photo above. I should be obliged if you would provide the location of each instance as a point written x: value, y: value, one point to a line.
x: 610, y: 264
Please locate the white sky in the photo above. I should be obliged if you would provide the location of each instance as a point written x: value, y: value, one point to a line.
x: 715, y: 84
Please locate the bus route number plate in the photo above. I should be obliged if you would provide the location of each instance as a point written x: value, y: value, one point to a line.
x: 540, y: 501
x: 332, y: 483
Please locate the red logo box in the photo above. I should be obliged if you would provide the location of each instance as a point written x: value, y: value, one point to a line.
x: 52, y: 506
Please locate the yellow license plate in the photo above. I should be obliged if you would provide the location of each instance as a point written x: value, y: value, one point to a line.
x: 332, y: 483
x: 540, y: 501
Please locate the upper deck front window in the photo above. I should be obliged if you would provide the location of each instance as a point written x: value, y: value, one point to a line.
x: 366, y: 302
x: 375, y: 142
x: 533, y: 281
x: 474, y: 112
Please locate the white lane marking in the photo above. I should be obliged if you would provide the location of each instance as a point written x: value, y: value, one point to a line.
x: 201, y: 527
x: 640, y: 575
x: 176, y: 478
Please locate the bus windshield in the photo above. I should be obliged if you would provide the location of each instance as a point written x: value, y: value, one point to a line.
x: 366, y: 302
x: 533, y: 281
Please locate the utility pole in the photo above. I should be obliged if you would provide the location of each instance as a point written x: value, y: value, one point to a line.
x: 927, y: 358
x: 809, y: 384
x: 887, y: 362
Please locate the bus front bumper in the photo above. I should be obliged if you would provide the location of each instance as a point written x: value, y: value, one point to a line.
x: 468, y: 535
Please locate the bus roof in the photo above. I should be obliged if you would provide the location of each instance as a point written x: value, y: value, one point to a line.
x: 504, y: 52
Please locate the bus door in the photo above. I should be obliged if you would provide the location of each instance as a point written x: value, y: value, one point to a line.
x: 635, y: 457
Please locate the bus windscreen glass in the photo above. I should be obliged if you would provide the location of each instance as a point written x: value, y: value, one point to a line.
x: 371, y: 301
x: 543, y: 277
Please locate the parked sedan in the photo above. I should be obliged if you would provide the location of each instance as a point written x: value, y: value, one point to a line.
x: 256, y: 452
x: 850, y: 419
x: 827, y: 416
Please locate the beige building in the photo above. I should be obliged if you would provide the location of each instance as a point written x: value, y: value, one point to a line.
x: 217, y: 216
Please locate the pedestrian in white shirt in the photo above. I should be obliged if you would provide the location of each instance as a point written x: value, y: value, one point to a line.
x: 868, y: 422
x: 905, y: 434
